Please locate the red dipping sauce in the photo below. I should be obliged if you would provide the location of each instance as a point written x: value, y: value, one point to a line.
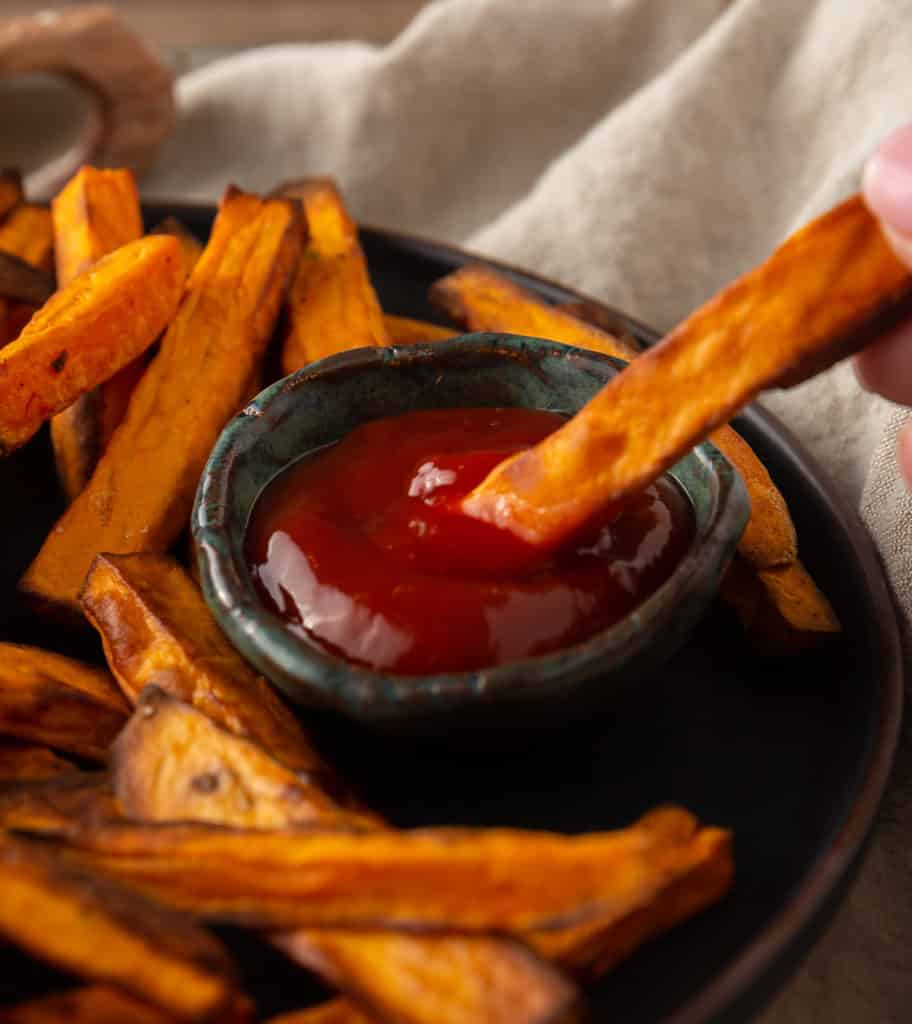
x: 361, y: 548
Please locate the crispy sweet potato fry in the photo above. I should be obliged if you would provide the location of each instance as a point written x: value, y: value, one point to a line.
x: 430, y: 880
x: 20, y: 760
x: 56, y: 806
x: 436, y: 979
x: 94, y: 1004
x: 483, y: 300
x: 11, y: 194
x: 142, y: 490
x: 332, y: 303
x: 336, y: 1011
x: 86, y: 333
x: 46, y: 698
x: 26, y: 233
x: 191, y: 246
x: 825, y: 291
x: 91, y: 926
x: 403, y: 330
x: 96, y: 213
x: 156, y: 629
x: 173, y: 763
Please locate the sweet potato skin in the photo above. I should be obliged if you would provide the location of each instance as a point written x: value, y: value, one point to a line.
x: 93, y: 1004
x: 91, y: 926
x: 332, y: 305
x: 85, y: 333
x: 221, y: 330
x: 830, y: 282
x: 156, y: 629
x: 97, y: 212
x: 48, y: 699
x: 173, y: 763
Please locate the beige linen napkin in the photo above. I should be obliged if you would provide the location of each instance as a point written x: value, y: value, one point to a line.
x: 644, y: 151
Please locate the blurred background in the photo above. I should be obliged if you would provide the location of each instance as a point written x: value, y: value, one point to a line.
x: 191, y: 32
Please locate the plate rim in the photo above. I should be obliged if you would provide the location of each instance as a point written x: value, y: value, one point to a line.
x: 821, y: 883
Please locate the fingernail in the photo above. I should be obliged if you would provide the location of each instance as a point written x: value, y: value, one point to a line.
x: 887, y: 184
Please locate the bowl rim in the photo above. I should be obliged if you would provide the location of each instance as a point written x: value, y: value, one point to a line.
x: 295, y: 666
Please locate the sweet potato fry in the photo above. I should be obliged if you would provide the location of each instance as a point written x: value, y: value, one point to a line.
x: 336, y: 1011
x: 156, y: 629
x: 96, y: 213
x: 173, y: 763
x: 403, y: 330
x: 191, y: 246
x: 426, y: 880
x: 435, y: 979
x: 46, y: 698
x: 482, y: 300
x: 93, y: 927
x: 332, y: 304
x: 26, y: 233
x: 699, y: 878
x: 137, y: 502
x: 20, y: 761
x: 94, y: 1004
x: 781, y: 608
x: 86, y: 333
x: 824, y: 292
x: 11, y: 194
x: 56, y: 806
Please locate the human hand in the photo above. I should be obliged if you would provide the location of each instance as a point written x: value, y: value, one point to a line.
x: 886, y: 366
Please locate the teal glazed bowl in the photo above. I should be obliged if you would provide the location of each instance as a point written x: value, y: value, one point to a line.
x: 324, y: 401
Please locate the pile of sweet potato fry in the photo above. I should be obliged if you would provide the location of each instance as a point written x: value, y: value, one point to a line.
x: 172, y: 790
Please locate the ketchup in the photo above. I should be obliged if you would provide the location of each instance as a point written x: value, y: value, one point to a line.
x: 361, y: 548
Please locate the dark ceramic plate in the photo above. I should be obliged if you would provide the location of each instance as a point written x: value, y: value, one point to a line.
x: 793, y: 756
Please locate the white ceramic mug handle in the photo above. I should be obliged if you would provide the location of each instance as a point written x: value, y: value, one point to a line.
x: 132, y: 89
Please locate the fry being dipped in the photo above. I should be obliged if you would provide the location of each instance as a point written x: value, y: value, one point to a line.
x: 827, y: 290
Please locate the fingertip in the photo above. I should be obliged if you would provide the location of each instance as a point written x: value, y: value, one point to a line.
x: 887, y: 181
x: 885, y: 367
x: 904, y: 453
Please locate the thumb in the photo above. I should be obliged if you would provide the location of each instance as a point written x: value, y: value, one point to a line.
x: 887, y: 188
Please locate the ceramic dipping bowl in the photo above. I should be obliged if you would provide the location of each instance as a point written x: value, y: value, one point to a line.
x: 323, y: 402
